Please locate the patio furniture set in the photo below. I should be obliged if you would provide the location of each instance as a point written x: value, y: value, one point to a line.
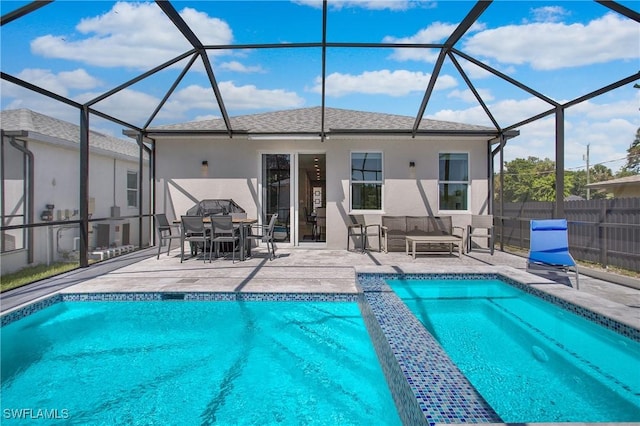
x: 211, y: 233
x: 549, y: 245
x: 413, y: 233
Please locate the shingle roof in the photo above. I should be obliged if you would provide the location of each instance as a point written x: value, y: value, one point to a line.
x: 308, y: 120
x: 31, y: 121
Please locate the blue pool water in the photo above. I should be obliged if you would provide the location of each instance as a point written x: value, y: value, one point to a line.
x: 253, y: 363
x: 530, y: 360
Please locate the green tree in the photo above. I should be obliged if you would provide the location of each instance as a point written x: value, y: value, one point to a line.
x: 633, y: 156
x: 532, y: 179
x: 597, y: 173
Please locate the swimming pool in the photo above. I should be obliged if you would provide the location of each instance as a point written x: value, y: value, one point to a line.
x: 532, y: 361
x: 193, y: 362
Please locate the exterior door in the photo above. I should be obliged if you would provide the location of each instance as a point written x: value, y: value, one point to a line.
x: 277, y: 193
x: 311, y: 192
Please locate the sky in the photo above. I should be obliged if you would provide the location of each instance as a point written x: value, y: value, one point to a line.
x: 560, y: 49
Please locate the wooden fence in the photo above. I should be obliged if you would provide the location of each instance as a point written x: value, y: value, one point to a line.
x: 606, y: 232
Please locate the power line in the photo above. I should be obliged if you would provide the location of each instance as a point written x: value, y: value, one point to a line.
x: 540, y: 173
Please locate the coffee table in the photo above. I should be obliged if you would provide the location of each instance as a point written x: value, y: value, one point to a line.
x: 432, y: 239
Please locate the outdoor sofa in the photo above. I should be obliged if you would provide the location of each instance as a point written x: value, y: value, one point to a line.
x: 395, y: 229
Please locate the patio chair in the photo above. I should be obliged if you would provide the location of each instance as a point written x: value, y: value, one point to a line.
x: 165, y: 233
x: 549, y: 246
x: 481, y: 227
x: 194, y: 231
x: 358, y: 228
x: 264, y: 233
x: 223, y: 231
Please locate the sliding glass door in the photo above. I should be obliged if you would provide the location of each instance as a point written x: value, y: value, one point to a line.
x: 277, y: 193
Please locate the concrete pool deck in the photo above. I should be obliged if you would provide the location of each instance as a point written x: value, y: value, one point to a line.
x: 301, y: 270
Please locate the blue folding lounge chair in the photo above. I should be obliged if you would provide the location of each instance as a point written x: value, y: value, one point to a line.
x: 549, y: 245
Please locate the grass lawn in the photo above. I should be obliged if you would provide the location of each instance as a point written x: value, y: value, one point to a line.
x: 34, y: 273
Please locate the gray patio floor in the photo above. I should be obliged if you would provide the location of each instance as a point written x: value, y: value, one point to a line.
x: 305, y: 270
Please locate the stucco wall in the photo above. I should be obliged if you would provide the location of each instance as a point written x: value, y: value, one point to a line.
x: 56, y: 175
x: 234, y: 172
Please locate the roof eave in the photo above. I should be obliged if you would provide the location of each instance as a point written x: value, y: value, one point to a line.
x: 488, y: 133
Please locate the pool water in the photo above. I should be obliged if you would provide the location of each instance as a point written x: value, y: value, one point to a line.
x: 530, y: 360
x: 181, y: 362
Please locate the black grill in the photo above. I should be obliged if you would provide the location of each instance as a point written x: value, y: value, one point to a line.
x: 209, y: 207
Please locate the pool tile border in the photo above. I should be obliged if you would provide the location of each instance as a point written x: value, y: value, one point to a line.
x: 427, y: 386
x: 36, y: 306
x: 29, y: 309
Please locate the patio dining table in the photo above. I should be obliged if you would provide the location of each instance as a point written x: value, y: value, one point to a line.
x: 244, y: 226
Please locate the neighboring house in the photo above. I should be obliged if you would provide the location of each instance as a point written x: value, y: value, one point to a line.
x: 53, y: 147
x: 368, y: 164
x: 626, y: 187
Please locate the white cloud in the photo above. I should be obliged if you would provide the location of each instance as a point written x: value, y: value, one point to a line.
x: 549, y: 46
x: 238, y: 67
x: 370, y: 4
x: 60, y: 82
x: 237, y: 97
x: 250, y: 97
x: 438, y: 32
x: 620, y: 108
x: 468, y: 96
x: 506, y: 112
x: 549, y: 13
x: 608, y: 127
x: 206, y: 117
x: 384, y: 82
x: 136, y: 35
x: 132, y: 106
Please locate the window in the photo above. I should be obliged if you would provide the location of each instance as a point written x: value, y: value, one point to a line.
x: 14, y: 201
x: 454, y: 181
x: 132, y: 189
x: 366, y: 181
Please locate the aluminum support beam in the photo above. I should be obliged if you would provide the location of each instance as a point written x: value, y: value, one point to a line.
x: 457, y: 34
x: 623, y: 10
x: 324, y: 68
x: 24, y: 10
x: 170, y: 91
x: 559, y: 207
x: 140, y: 77
x: 84, y: 187
x: 473, y: 90
x: 186, y: 31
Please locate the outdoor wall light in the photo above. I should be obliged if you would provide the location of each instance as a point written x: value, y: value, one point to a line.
x: 412, y: 164
x: 204, y: 168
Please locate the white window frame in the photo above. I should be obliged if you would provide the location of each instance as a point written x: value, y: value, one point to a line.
x: 381, y: 182
x: 467, y: 183
x: 136, y: 189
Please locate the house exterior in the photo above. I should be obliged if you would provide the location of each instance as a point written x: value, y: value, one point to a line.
x: 625, y: 187
x: 368, y: 164
x: 49, y: 190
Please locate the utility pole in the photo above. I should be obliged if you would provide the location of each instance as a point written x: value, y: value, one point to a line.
x: 587, y: 158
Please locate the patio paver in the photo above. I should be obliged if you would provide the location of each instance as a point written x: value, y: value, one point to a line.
x: 297, y: 270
